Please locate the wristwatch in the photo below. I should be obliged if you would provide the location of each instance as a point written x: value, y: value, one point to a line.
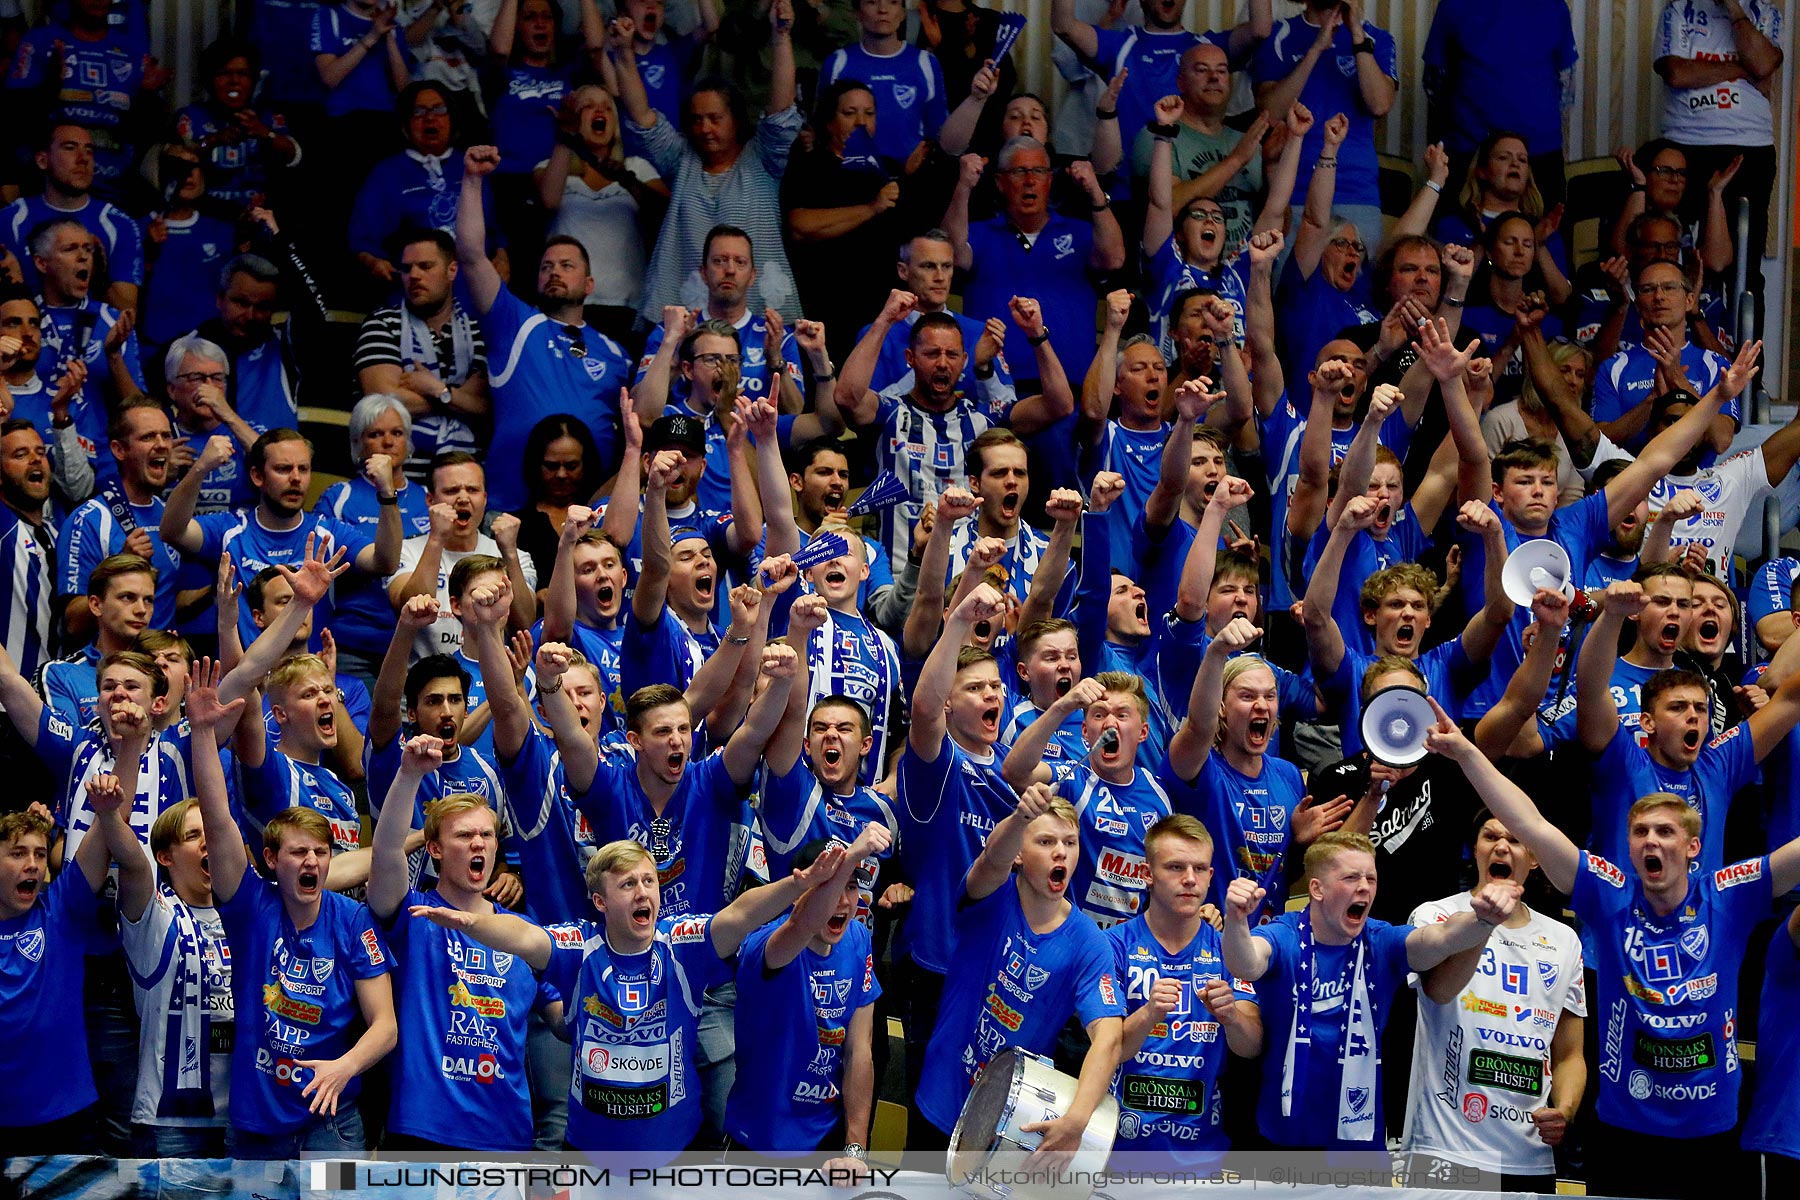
x: 1366, y: 46
x: 855, y: 1150
x: 443, y: 397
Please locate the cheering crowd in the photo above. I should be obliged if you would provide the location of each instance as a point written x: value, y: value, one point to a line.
x: 831, y: 540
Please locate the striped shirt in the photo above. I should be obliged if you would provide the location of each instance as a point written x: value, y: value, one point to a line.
x: 452, y: 353
x: 928, y: 451
x: 1024, y: 550
x: 27, y: 555
x: 75, y: 754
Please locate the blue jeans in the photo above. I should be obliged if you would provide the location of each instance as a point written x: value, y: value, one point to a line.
x: 112, y: 1041
x: 183, y: 1141
x: 548, y: 1067
x: 717, y: 1036
x: 342, y: 1134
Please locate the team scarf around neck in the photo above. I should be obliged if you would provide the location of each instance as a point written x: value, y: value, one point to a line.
x: 830, y: 677
x: 419, y: 348
x: 187, y: 1050
x: 1359, y: 1053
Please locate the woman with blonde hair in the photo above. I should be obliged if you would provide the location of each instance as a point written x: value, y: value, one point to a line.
x: 1528, y: 418
x: 1500, y: 183
x: 610, y: 203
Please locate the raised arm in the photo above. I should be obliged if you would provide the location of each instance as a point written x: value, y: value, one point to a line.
x: 806, y: 615
x: 496, y: 930
x: 932, y: 692
x: 1359, y: 459
x: 1055, y: 400
x: 1246, y: 957
x: 1103, y: 371
x: 1427, y: 946
x: 1324, y: 640
x: 1278, y: 96
x: 1192, y: 402
x: 1064, y: 510
x: 1315, y: 218
x: 1660, y: 456
x: 210, y: 719
x: 24, y: 707
x: 658, y: 545
x: 1578, y: 430
x: 927, y: 611
x: 485, y: 625
x: 1555, y: 852
x: 1195, y: 584
x: 1416, y: 220
x: 1080, y: 36
x: 1268, y: 381
x: 956, y: 216
x: 854, y: 398
x: 177, y: 526
x: 389, y: 873
x: 1193, y: 742
x: 992, y: 868
x: 311, y: 582
x: 1596, y: 716
x: 1024, y: 764
x: 745, y: 749
x: 758, y: 906
x: 1306, y: 505
x: 1159, y: 215
x: 477, y: 273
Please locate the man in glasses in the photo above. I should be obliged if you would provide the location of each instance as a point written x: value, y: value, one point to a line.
x: 197, y: 372
x: 1626, y: 383
x: 551, y: 360
x: 1606, y: 315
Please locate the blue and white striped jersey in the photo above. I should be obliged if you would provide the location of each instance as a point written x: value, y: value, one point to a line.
x: 27, y: 556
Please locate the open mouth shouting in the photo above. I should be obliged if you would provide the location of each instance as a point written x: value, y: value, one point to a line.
x: 1653, y: 864
x: 464, y: 517
x: 983, y: 630
x: 447, y: 729
x: 83, y: 274
x: 990, y: 721
x: 1691, y: 739
x: 1670, y: 637
x: 308, y: 881
x: 836, y: 578
x: 1709, y: 629
x: 1404, y: 633
x: 478, y: 867
x: 677, y: 760
x: 1384, y: 514
x: 643, y: 915
x: 26, y: 889
x: 1064, y: 683
x: 597, y: 124
x: 1358, y: 910
x: 1152, y: 396
x: 1259, y: 731
x: 1009, y: 505
x: 1500, y: 869
x: 832, y: 756
x: 1142, y: 610
x: 839, y: 922
x: 703, y: 588
x: 328, y: 727
x: 1059, y: 880
x: 1212, y: 485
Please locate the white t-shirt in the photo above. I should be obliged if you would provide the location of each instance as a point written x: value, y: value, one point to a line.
x: 1481, y: 1064
x: 1733, y: 488
x: 605, y: 222
x: 152, y: 947
x: 1733, y: 113
x: 445, y: 635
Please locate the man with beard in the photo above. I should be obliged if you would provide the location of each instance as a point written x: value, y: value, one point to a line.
x: 28, y: 557
x: 924, y: 431
x: 1470, y: 1106
x: 124, y: 518
x: 279, y: 529
x: 1329, y: 973
x: 428, y: 564
x: 80, y: 329
x: 196, y: 373
x: 1636, y: 536
x: 67, y: 161
x: 25, y: 395
x: 1626, y: 383
x: 1670, y: 938
x: 452, y: 1090
x: 428, y: 351
x: 1152, y: 53
x: 927, y: 268
x: 554, y: 362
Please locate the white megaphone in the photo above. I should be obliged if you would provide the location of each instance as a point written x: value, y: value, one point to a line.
x: 1394, y: 724
x: 1542, y: 563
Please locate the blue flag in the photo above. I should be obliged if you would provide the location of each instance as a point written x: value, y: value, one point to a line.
x: 884, y: 491
x: 860, y: 154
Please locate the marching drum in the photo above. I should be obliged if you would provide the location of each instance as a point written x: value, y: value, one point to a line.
x: 1016, y: 1088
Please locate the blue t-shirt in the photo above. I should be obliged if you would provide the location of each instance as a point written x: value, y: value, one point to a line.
x: 1053, y: 270
x: 1152, y: 58
x: 70, y: 687
x: 1582, y: 530
x: 401, y: 196
x: 536, y: 371
x: 1013, y: 987
x: 1066, y: 745
x: 1250, y: 819
x: 79, y: 331
x: 1168, y: 1092
x: 278, y: 27
x: 41, y: 976
x: 362, y: 617
x: 100, y: 81
x: 664, y: 652
x: 1773, y: 1126
x: 460, y: 1069
x: 700, y: 839
x: 1314, y: 1119
x: 1449, y: 674
x: 367, y: 88
x: 1310, y: 311
x: 1625, y: 380
x: 253, y: 546
x: 292, y: 1004
x: 1502, y: 69
x: 282, y: 783
x: 950, y: 806
x: 93, y: 533
x: 1135, y: 454
x: 793, y: 1040
x: 795, y: 809
x: 1112, y: 874
x: 1625, y: 772
x: 261, y: 385
x: 551, y: 841
x: 523, y: 113
x: 667, y: 69
x: 1772, y: 590
x: 908, y: 86
x: 1669, y: 989
x: 1170, y: 274
x: 184, y: 283
x: 1331, y: 88
x: 1406, y: 542
x: 635, y: 1023
x: 468, y: 773
x: 601, y: 647
x: 121, y: 240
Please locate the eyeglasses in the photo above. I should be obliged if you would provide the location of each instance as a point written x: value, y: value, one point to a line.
x: 1667, y: 289
x: 1669, y: 172
x: 431, y: 110
x: 1661, y: 247
x: 199, y: 377
x: 576, y: 342
x: 1205, y: 216
x: 718, y: 360
x: 1354, y: 247
x: 1023, y: 173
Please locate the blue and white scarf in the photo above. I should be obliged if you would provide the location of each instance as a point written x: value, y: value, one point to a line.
x: 187, y: 1050
x: 1359, y: 1052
